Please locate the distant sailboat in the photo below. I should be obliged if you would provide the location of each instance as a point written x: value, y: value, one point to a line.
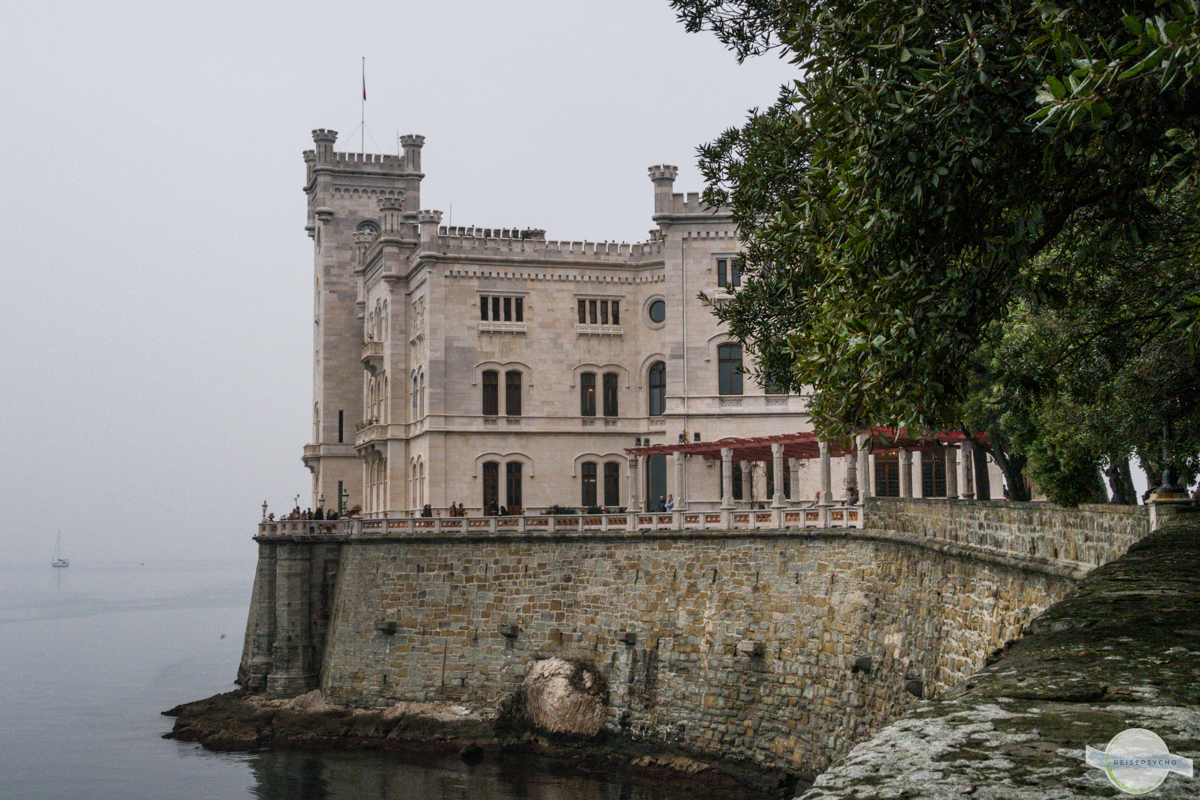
x: 59, y: 561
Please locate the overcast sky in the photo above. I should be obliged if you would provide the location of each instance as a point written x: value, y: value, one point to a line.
x: 157, y: 276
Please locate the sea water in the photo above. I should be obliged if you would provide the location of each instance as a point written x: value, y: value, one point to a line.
x: 90, y: 656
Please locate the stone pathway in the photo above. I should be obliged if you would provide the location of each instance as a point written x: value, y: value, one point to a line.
x: 1121, y: 651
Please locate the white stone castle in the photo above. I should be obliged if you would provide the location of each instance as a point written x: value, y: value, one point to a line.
x: 491, y: 366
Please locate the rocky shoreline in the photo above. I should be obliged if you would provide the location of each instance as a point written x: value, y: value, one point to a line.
x: 246, y: 722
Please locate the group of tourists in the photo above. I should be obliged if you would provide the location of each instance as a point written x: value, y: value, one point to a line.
x: 309, y: 514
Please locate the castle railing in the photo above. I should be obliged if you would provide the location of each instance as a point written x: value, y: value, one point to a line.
x: 836, y: 516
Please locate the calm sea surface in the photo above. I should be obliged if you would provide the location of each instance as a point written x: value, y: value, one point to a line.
x: 90, y: 655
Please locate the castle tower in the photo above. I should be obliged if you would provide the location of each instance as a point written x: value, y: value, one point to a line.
x: 663, y: 177
x: 344, y: 211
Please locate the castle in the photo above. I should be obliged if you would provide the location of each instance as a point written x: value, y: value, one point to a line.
x: 485, y: 365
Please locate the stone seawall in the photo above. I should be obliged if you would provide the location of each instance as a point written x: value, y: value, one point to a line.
x: 770, y: 647
x: 776, y: 650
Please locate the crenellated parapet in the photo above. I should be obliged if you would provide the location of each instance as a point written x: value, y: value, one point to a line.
x: 493, y: 241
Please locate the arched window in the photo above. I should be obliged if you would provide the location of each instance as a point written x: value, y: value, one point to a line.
x: 610, y: 394
x: 421, y: 389
x: 491, y: 484
x: 658, y: 388
x: 416, y: 397
x: 612, y: 484
x: 512, y: 393
x: 491, y: 393
x: 513, y: 486
x: 588, y: 472
x: 729, y: 366
x: 587, y: 394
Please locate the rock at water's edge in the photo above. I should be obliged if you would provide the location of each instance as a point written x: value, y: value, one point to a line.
x: 564, y: 698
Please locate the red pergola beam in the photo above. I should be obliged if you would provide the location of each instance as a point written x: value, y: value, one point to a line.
x: 802, y: 445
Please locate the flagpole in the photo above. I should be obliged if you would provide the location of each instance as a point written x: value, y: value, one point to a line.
x: 362, y: 122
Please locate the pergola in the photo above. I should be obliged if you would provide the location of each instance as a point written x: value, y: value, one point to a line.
x: 774, y: 449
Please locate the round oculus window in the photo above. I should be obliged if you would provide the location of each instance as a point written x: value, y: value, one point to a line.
x: 658, y: 311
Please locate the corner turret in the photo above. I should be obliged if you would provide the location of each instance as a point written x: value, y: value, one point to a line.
x: 324, y: 141
x: 391, y: 211
x: 663, y: 177
x: 429, y: 221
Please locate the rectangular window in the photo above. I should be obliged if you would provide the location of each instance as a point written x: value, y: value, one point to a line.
x: 512, y: 393
x: 491, y: 393
x: 603, y: 312
x: 587, y: 394
x: 592, y: 311
x: 583, y: 312
x: 501, y: 308
x: 341, y: 423
x: 729, y: 369
x: 728, y: 274
x: 933, y: 473
x: 610, y: 394
x: 589, y: 483
x: 513, y: 476
x: 612, y: 484
x: 887, y: 475
x: 616, y: 315
x: 491, y: 484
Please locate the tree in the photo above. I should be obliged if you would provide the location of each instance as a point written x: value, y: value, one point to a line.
x: 899, y: 192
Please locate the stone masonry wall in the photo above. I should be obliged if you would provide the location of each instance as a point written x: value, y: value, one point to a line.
x: 780, y: 651
x: 1078, y: 539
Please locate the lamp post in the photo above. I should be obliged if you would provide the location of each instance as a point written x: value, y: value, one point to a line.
x: 321, y: 501
x: 344, y: 501
x: 264, y: 510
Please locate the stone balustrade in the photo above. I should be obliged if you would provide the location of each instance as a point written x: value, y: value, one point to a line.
x: 836, y: 516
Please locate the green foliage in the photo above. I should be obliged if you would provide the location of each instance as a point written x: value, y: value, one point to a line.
x: 973, y: 217
x: 556, y: 509
x: 911, y: 174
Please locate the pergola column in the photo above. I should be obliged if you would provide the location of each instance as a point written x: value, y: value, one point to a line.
x: 906, y: 473
x: 826, y: 474
x: 794, y: 480
x: 951, y: 473
x: 727, y: 478
x: 918, y: 468
x: 633, y: 484
x: 680, y: 477
x: 851, y: 472
x: 965, y: 471
x: 777, y: 471
x: 864, y: 465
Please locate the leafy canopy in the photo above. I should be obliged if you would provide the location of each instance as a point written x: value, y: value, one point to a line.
x: 895, y: 200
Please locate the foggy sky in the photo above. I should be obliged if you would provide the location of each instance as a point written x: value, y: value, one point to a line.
x: 157, y: 335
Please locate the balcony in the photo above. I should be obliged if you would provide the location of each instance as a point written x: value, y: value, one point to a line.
x: 372, y: 357
x: 503, y: 327
x: 370, y: 433
x: 599, y: 330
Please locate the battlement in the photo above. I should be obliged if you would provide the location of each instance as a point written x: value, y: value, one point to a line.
x: 325, y: 155
x: 691, y: 203
x: 531, y: 242
x: 663, y: 172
